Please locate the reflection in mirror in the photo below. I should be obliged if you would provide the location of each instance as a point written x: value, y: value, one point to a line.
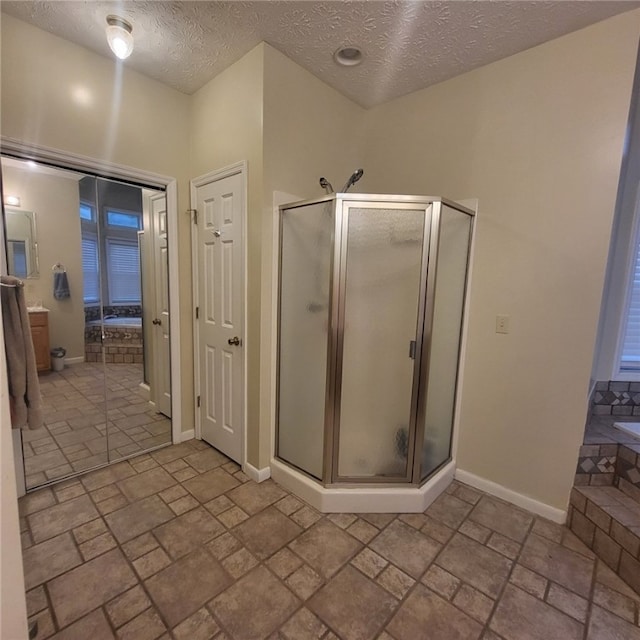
x: 109, y: 396
x: 22, y: 243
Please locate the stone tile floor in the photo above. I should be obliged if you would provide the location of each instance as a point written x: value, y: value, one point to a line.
x: 180, y: 544
x: 75, y: 437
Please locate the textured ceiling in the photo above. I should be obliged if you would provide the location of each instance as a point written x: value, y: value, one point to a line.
x: 407, y: 45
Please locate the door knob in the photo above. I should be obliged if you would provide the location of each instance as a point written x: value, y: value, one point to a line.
x: 235, y: 340
x: 156, y: 321
x: 217, y: 233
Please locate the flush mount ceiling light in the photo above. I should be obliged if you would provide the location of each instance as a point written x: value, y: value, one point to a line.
x: 119, y: 36
x: 348, y: 56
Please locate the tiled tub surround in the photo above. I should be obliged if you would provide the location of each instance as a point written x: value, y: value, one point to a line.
x: 616, y: 398
x: 179, y: 544
x: 596, y: 464
x: 121, y: 345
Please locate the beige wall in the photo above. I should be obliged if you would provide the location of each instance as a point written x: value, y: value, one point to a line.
x: 60, y: 95
x: 226, y: 124
x: 538, y: 139
x: 55, y: 201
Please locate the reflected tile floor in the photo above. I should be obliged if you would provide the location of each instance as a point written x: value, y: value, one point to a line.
x: 179, y: 544
x: 74, y: 409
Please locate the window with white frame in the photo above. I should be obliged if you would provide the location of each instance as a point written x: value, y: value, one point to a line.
x: 123, y: 268
x: 90, y: 268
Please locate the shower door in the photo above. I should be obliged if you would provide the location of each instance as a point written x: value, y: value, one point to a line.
x: 383, y: 270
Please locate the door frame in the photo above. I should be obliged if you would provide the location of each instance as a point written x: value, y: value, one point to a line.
x: 68, y: 160
x: 237, y: 168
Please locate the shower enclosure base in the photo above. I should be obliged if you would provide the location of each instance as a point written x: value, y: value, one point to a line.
x: 363, y: 499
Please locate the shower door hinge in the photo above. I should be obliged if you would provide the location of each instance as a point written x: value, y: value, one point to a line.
x: 197, y: 312
x: 412, y: 349
x: 195, y: 215
x: 198, y: 401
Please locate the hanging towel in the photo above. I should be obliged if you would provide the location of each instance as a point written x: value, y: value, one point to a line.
x: 61, y: 285
x: 24, y: 387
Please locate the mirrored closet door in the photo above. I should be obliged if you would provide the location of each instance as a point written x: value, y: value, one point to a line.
x: 98, y: 308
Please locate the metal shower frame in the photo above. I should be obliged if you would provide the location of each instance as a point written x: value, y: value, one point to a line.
x: 343, y: 202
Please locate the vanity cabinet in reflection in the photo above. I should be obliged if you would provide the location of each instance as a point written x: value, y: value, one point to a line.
x: 39, y: 322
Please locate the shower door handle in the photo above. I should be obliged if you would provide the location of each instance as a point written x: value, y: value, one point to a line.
x: 412, y: 349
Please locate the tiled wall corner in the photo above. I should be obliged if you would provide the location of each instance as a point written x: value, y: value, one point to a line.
x: 616, y: 398
x: 596, y: 465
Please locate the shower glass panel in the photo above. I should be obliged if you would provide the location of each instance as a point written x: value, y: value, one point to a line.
x: 305, y: 281
x: 448, y: 307
x: 381, y: 293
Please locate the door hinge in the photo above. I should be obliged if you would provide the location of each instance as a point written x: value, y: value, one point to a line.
x: 198, y: 402
x: 412, y: 349
x: 197, y: 313
x: 194, y: 212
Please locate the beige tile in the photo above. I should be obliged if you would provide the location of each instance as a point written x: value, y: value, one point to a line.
x: 267, y: 532
x: 289, y: 504
x: 468, y: 494
x: 199, y: 626
x: 49, y: 559
x: 475, y: 564
x: 223, y: 545
x: 46, y: 627
x: 151, y: 563
x: 396, y: 582
x: 109, y: 491
x: 70, y: 492
x: 441, y: 581
x: 503, y: 518
x: 630, y: 571
x: 146, y: 484
x: 605, y: 626
x: 127, y: 606
x: 378, y: 520
x: 352, y: 618
x: 218, y: 505
x: 139, y: 546
x: 548, y: 529
x: 529, y: 581
x: 304, y: 582
x: 449, y: 510
x: 93, y: 626
x: 473, y: 603
x: 232, y: 517
x: 97, y: 546
x: 558, y: 563
x: 306, y: 516
x: 184, y: 504
x: 253, y: 497
x: 173, y: 493
x: 568, y: 602
x: 363, y: 530
x: 108, y: 475
x: 342, y: 520
x: 98, y: 580
x: 255, y: 606
x: 185, y: 474
x: 325, y: 547
x: 112, y: 504
x: 206, y: 460
x: 408, y: 549
x: 187, y: 532
x: 36, y: 600
x: 137, y: 518
x: 520, y: 616
x: 475, y: 531
x: 185, y: 586
x: 36, y: 501
x: 369, y: 562
x: 146, y: 626
x: 239, y: 563
x: 62, y: 517
x: 506, y: 546
x: 283, y: 563
x: 437, y: 530
x: 303, y: 625
x: 210, y: 485
x: 424, y: 610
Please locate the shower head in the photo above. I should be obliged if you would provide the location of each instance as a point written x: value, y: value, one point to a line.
x: 353, y: 178
x: 325, y: 184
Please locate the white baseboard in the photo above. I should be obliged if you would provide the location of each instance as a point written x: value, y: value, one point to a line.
x: 76, y: 360
x: 258, y: 475
x: 520, y: 500
x: 187, y: 435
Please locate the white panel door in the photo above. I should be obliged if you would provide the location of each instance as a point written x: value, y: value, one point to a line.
x: 220, y: 289
x: 161, y: 337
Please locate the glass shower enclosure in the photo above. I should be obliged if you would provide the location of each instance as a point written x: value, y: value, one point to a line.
x: 371, y: 304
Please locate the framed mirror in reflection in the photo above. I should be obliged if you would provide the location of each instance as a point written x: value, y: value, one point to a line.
x: 22, y: 243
